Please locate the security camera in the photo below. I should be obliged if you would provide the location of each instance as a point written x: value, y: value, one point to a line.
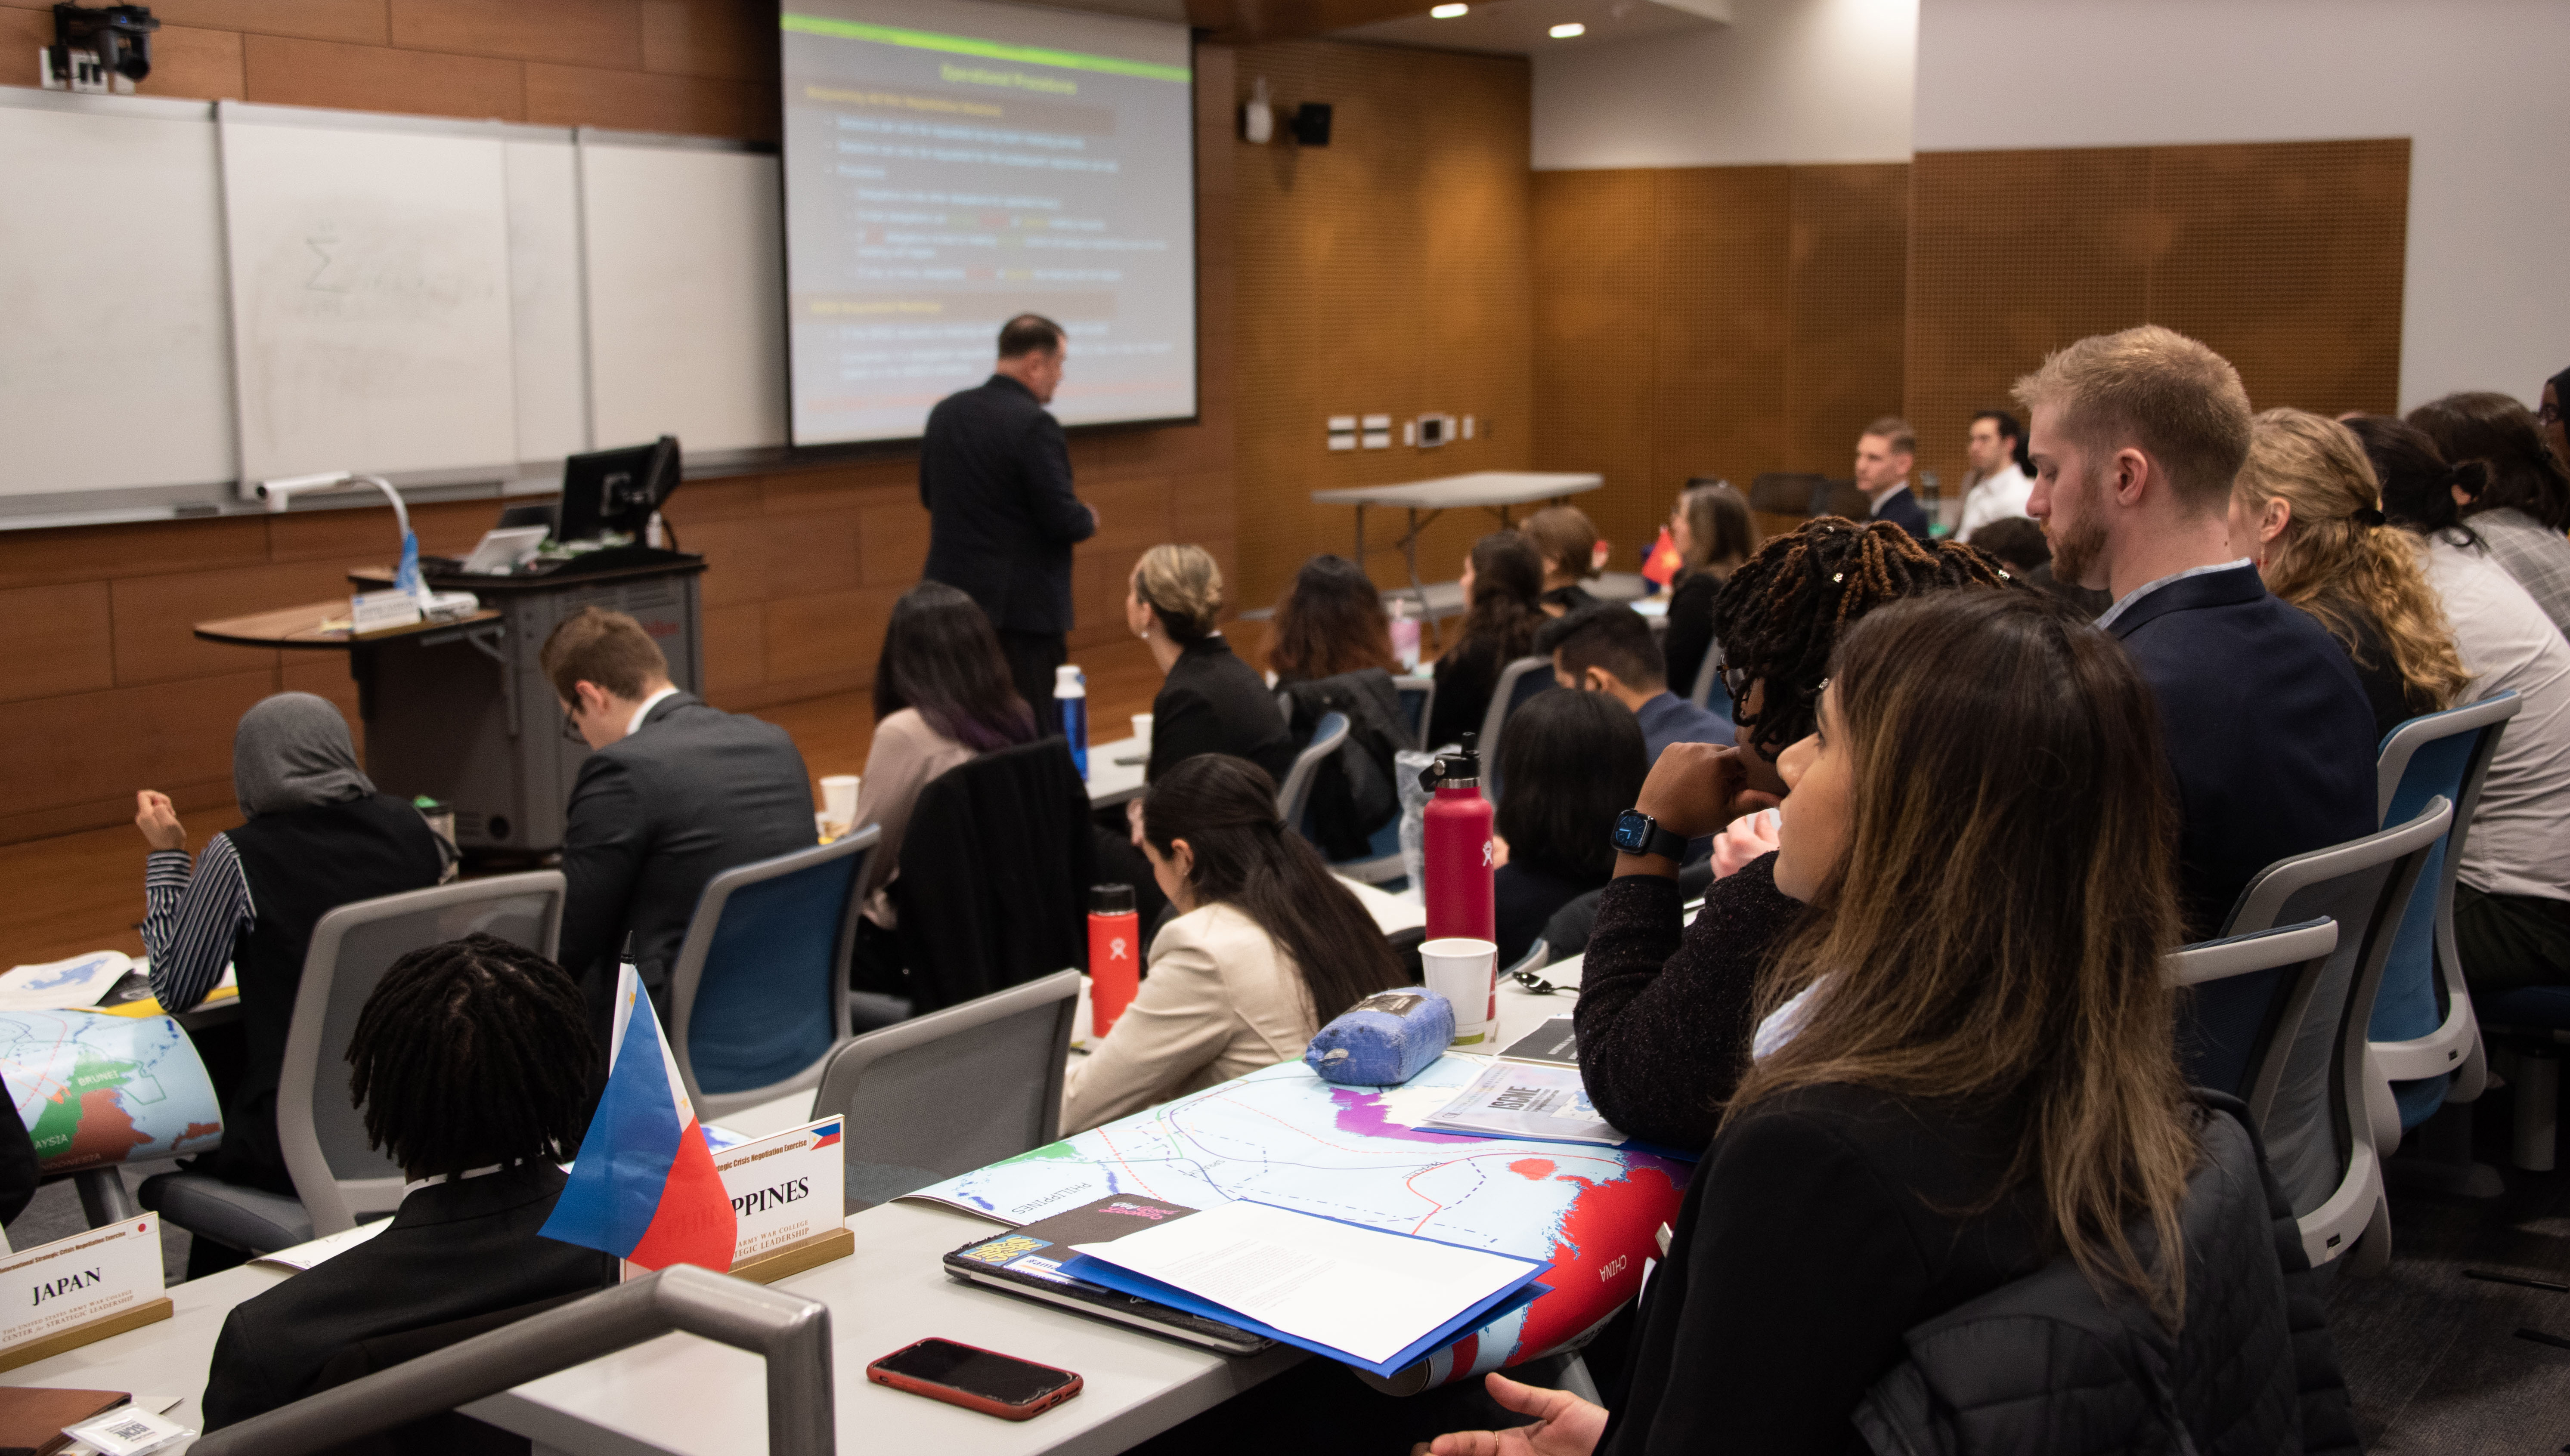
x: 118, y: 37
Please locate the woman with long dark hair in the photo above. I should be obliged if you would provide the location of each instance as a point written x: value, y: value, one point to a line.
x: 1503, y: 579
x: 2515, y: 489
x: 1330, y: 621
x: 1265, y: 948
x: 1714, y: 535
x: 1572, y: 762
x: 1941, y: 1103
x: 943, y: 696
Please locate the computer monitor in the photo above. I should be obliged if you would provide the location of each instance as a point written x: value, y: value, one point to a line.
x: 616, y: 489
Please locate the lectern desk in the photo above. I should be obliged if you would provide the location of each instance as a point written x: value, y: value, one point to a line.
x: 460, y: 711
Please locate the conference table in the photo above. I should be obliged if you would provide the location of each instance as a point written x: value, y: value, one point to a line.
x: 1495, y: 490
x: 679, y: 1395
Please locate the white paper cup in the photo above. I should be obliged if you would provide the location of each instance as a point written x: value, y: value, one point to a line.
x: 1142, y: 729
x: 1466, y: 972
x: 839, y: 801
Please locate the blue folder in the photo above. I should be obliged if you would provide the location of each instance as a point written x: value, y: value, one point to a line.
x: 1519, y: 1291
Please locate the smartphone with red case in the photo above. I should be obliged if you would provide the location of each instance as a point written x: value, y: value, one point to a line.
x: 975, y: 1378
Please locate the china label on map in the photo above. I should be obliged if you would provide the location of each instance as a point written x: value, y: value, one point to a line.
x: 94, y: 1090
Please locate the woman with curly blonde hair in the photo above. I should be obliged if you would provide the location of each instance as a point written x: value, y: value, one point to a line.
x: 2307, y: 510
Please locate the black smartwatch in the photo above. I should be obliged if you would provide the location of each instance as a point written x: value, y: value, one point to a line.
x: 1637, y: 833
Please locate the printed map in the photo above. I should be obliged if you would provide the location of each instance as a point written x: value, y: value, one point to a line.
x: 1283, y: 1136
x: 95, y: 1089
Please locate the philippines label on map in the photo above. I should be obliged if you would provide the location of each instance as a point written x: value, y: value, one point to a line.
x: 1283, y: 1136
x: 95, y: 1090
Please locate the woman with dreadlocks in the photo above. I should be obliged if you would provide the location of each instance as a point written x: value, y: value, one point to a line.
x: 1664, y: 1014
x: 474, y: 1065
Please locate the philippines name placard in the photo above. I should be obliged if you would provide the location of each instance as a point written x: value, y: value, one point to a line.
x: 787, y: 1191
x: 79, y: 1289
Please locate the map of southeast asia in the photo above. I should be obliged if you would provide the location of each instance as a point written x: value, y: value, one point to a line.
x: 1282, y: 1136
x: 95, y: 1090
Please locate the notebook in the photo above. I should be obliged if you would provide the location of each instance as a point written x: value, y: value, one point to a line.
x: 32, y: 1417
x: 1027, y: 1261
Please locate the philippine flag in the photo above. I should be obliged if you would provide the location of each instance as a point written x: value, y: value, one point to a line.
x: 645, y: 1187
x: 825, y: 1136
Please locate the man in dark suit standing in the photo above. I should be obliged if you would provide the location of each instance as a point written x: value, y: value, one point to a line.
x: 675, y: 792
x: 2135, y: 439
x: 995, y: 475
x: 1884, y: 455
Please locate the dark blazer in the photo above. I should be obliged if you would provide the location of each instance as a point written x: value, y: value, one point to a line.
x: 1821, y: 1226
x: 2268, y: 735
x: 1902, y: 508
x: 995, y: 475
x: 656, y: 815
x: 995, y: 873
x: 454, y: 1250
x: 1689, y: 639
x: 1212, y: 702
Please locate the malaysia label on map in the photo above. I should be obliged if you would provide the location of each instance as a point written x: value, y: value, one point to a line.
x: 95, y: 1090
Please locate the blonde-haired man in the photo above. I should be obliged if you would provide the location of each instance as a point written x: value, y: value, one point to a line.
x: 2135, y: 438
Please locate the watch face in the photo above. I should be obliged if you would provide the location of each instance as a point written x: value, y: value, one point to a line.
x: 1633, y: 831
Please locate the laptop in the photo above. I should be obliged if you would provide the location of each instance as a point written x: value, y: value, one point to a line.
x: 504, y: 550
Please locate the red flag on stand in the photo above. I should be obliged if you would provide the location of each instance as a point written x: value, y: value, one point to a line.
x: 1662, y: 566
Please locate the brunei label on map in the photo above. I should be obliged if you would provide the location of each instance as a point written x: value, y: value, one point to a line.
x: 95, y: 1090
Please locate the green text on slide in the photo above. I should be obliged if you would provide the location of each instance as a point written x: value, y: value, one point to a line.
x: 928, y: 40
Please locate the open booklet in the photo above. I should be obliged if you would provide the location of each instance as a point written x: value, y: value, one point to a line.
x: 1526, y: 1100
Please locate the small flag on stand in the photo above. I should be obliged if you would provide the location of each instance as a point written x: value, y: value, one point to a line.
x: 1663, y: 563
x: 645, y: 1187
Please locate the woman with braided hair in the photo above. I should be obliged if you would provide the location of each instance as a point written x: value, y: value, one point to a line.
x: 1665, y: 1013
x: 1265, y: 948
x: 475, y: 1066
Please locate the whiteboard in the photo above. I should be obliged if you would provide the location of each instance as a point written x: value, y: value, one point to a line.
x: 115, y: 358
x: 686, y: 295
x: 548, y: 345
x: 370, y: 294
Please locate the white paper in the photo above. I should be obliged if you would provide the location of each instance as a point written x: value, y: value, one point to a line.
x: 329, y: 1245
x: 1526, y: 1100
x: 1362, y: 1290
x: 57, y: 985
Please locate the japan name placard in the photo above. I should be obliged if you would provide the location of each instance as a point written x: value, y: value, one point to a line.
x: 89, y: 1276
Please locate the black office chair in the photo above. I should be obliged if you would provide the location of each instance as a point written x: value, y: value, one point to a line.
x: 995, y: 875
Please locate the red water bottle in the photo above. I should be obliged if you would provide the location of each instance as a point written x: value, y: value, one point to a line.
x: 1115, y: 955
x: 1456, y: 840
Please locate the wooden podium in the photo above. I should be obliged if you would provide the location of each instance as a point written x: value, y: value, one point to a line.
x: 460, y: 711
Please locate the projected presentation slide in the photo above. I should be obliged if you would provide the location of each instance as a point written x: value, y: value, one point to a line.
x: 951, y: 164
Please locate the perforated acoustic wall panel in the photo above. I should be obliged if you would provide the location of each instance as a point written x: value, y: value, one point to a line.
x: 1712, y: 321
x: 1385, y: 274
x: 2285, y: 256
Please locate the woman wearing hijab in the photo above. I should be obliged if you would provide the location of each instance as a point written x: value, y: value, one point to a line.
x: 318, y: 837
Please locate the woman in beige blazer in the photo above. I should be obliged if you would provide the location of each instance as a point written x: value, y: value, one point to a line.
x: 1265, y: 948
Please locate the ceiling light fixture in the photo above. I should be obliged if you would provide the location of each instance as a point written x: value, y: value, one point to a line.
x: 1565, y: 32
x: 1448, y: 12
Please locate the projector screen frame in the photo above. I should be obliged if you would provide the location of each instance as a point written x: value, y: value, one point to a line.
x: 800, y: 453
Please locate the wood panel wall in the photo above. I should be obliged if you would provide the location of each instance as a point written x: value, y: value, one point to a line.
x: 2285, y: 256
x: 102, y: 690
x: 702, y: 67
x: 1712, y: 321
x: 1387, y: 274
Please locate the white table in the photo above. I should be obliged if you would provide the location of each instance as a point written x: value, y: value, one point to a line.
x: 1495, y: 490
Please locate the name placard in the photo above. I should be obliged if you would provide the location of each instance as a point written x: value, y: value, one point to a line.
x: 785, y: 1189
x: 373, y: 612
x: 87, y: 1286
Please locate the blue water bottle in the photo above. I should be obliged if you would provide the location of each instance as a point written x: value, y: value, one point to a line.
x: 1070, y: 699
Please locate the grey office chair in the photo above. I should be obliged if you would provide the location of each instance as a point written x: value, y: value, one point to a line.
x: 1519, y: 681
x: 2301, y: 951
x: 1708, y: 680
x: 337, y: 1178
x: 2318, y: 1127
x: 1295, y: 794
x: 1417, y: 704
x: 758, y: 995
x: 952, y: 1090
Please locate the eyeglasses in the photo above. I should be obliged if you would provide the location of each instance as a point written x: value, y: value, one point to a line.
x: 1735, y: 681
x: 1536, y: 986
x: 570, y: 731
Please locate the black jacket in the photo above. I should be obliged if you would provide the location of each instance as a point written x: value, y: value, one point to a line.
x: 2044, y: 1364
x: 995, y: 875
x: 2268, y: 732
x: 1212, y: 702
x: 995, y: 475
x: 1689, y: 639
x: 1902, y: 508
x: 1353, y: 795
x: 455, y: 1250
x: 657, y: 814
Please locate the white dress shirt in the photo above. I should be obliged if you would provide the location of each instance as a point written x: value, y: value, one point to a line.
x: 1995, y: 499
x: 645, y: 711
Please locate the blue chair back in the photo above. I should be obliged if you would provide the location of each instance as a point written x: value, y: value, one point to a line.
x: 758, y: 995
x: 1417, y: 699
x: 2431, y: 755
